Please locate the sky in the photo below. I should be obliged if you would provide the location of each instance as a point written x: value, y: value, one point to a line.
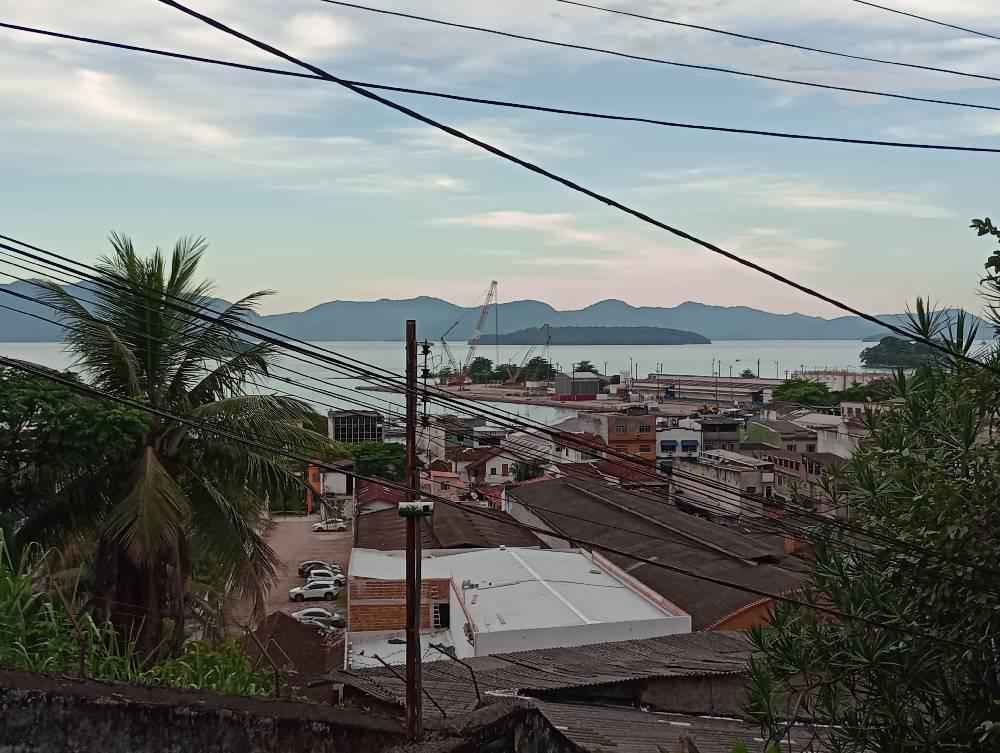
x: 307, y: 189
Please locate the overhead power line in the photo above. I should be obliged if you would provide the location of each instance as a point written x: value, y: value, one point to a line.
x: 507, y: 103
x: 579, y: 188
x: 660, y: 61
x: 280, y: 452
x: 633, y: 463
x: 927, y: 19
x: 519, y: 450
x: 779, y: 43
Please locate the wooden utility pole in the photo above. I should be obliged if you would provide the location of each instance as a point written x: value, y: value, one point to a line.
x: 414, y: 711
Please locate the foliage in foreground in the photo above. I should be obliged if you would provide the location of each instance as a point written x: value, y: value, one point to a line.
x: 187, y: 492
x: 908, y: 659
x: 39, y: 634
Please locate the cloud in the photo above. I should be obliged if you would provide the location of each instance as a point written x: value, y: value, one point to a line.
x: 794, y: 192
x: 557, y: 229
x: 508, y: 135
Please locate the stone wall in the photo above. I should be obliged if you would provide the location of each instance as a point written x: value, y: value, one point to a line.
x: 51, y: 714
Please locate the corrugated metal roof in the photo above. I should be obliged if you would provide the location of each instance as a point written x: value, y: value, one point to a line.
x: 450, y: 527
x: 690, y: 655
x: 587, y: 510
x: 614, y: 729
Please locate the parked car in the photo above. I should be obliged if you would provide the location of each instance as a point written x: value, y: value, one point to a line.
x: 309, y: 565
x: 314, y: 589
x: 326, y: 526
x: 326, y: 617
x: 305, y: 567
x: 320, y: 574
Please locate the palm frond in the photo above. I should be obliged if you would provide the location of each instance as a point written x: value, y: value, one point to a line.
x: 227, y: 528
x: 150, y: 520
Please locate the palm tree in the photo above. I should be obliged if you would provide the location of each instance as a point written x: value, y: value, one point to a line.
x: 186, y: 494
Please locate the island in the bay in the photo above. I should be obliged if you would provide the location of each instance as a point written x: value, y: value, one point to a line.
x: 597, y: 336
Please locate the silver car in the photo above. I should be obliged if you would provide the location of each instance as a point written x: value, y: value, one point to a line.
x: 314, y: 589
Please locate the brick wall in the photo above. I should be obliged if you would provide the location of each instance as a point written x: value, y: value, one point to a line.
x: 381, y: 604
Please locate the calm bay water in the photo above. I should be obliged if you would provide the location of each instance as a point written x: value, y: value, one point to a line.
x: 776, y: 357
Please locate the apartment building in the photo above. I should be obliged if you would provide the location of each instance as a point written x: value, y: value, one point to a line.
x: 632, y: 432
x: 723, y: 483
x: 354, y: 425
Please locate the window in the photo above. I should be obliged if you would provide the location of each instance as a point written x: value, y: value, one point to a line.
x: 790, y: 447
x: 751, y: 490
x: 441, y: 615
x: 620, y: 428
x: 493, y: 470
x: 645, y: 428
x: 810, y: 448
x: 505, y: 469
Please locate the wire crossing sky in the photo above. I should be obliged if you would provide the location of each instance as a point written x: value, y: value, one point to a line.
x: 290, y: 173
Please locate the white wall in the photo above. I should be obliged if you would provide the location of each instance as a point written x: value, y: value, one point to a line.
x: 506, y: 641
x: 678, y: 434
x: 334, y: 482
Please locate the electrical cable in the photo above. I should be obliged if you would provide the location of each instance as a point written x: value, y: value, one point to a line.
x: 631, y: 461
x: 648, y: 59
x: 779, y: 43
x: 510, y: 104
x: 201, y: 425
x: 648, y: 219
x: 928, y: 20
x: 625, y: 456
x: 799, y: 532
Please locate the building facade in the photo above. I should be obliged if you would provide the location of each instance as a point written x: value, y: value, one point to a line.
x: 724, y: 483
x: 354, y: 425
x: 633, y: 432
x: 490, y: 601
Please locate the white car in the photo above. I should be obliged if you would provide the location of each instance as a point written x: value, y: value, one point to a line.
x: 315, y: 589
x: 326, y: 526
x: 321, y: 574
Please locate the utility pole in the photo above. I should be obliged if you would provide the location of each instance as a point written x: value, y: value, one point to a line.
x: 414, y: 710
x: 425, y: 350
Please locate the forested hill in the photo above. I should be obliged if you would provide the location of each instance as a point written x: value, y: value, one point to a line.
x: 598, y: 336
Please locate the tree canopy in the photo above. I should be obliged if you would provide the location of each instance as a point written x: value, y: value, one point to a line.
x: 908, y: 659
x: 805, y: 391
x: 182, y: 495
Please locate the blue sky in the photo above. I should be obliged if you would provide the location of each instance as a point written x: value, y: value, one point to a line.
x: 319, y: 194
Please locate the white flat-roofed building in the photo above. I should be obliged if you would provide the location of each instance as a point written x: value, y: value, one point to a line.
x: 508, y: 599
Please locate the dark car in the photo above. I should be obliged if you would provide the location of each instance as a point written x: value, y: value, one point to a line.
x: 305, y: 567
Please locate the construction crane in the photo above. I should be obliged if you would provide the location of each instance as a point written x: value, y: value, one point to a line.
x: 459, y: 372
x: 515, y: 378
x: 477, y: 333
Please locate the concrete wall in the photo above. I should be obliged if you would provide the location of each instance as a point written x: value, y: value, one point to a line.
x: 48, y: 714
x: 508, y: 641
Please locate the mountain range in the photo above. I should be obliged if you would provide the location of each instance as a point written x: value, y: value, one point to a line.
x: 383, y: 320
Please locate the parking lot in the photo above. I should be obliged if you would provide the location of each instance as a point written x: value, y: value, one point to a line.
x: 293, y: 541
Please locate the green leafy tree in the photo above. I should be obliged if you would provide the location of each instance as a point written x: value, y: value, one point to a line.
x: 804, y: 391
x: 382, y: 459
x: 505, y: 372
x: 51, y: 435
x: 183, y: 491
x: 480, y: 370
x: 913, y: 664
x: 586, y: 365
x: 747, y: 374
x: 539, y: 369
